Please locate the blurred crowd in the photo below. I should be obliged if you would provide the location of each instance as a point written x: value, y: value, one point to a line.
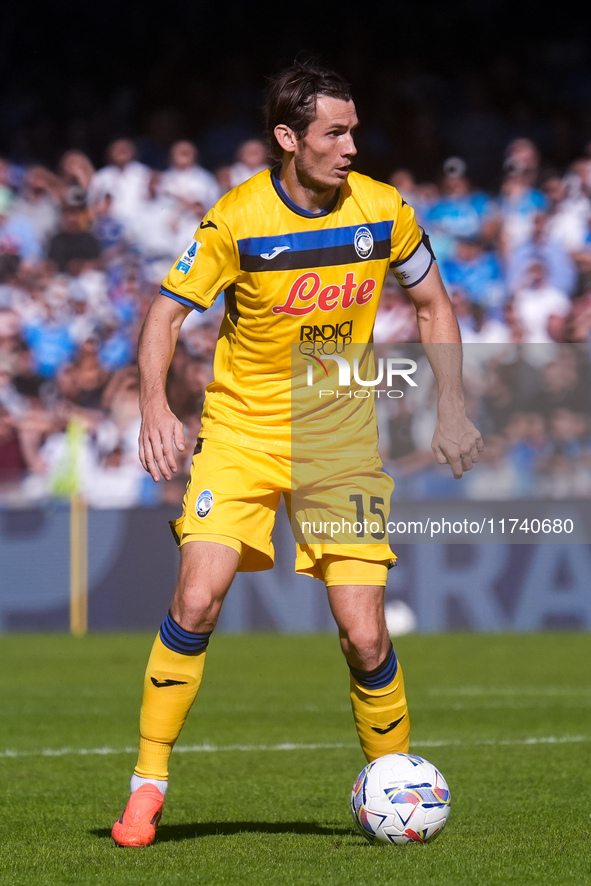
x: 82, y: 254
x: 531, y: 402
x: 83, y: 251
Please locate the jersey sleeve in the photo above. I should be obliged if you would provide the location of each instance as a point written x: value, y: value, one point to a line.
x: 206, y: 268
x: 411, y: 254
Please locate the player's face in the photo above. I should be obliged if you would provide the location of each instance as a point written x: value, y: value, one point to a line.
x: 323, y: 156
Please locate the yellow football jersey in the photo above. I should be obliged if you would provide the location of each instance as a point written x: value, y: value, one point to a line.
x: 292, y: 280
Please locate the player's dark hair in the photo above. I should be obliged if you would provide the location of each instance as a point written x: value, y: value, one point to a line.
x: 292, y: 95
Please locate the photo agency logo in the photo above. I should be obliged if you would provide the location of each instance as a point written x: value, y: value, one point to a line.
x: 360, y: 377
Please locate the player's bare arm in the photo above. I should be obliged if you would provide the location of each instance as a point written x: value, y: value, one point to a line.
x: 456, y: 440
x: 160, y: 431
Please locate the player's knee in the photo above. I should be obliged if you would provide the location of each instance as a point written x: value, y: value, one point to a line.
x: 196, y: 609
x: 365, y: 646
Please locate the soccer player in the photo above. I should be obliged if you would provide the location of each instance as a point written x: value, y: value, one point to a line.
x: 293, y: 247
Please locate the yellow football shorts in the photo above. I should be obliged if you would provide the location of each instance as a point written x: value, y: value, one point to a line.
x: 338, y: 512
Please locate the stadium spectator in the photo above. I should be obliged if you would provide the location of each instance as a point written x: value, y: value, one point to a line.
x: 82, y: 321
x: 567, y: 214
x: 161, y: 229
x: 91, y: 375
x: 120, y: 402
x: 116, y: 480
x: 479, y: 325
x: 476, y: 270
x: 50, y: 340
x: 540, y: 308
x: 396, y: 319
x: 538, y: 247
x: 26, y: 298
x: 10, y: 398
x: 519, y: 199
x: 26, y: 380
x: 578, y: 179
x: 13, y: 466
x: 459, y: 211
x: 117, y: 344
x: 252, y: 156
x: 186, y: 389
x: 523, y: 156
x: 564, y: 382
x: 579, y: 322
x: 10, y: 286
x: 420, y: 196
x: 193, y: 188
x: 18, y: 235
x: 499, y: 477
x: 10, y: 328
x: 74, y: 248
x: 38, y: 200
x: 75, y: 171
x: 114, y: 243
x: 124, y: 178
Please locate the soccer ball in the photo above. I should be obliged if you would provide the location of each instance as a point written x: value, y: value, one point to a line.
x: 400, y: 798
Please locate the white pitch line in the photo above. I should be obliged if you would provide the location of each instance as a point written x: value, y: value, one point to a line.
x: 518, y: 691
x: 293, y: 746
x: 509, y: 742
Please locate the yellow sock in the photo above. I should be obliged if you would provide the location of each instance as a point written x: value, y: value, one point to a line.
x: 380, y: 710
x: 171, y: 683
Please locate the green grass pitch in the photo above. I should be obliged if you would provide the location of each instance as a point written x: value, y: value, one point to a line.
x: 261, y: 778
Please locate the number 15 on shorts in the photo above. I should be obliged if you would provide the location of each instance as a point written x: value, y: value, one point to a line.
x: 370, y: 519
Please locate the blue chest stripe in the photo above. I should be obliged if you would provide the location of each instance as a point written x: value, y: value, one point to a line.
x: 307, y: 240
x: 309, y: 249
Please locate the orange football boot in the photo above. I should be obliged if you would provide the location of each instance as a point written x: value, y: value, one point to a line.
x: 137, y: 825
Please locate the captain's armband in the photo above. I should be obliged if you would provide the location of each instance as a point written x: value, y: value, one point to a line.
x: 414, y: 268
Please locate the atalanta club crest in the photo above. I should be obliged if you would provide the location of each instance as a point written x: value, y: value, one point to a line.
x: 363, y: 242
x: 204, y: 503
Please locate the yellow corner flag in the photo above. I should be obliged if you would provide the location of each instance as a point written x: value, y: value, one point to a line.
x: 66, y: 483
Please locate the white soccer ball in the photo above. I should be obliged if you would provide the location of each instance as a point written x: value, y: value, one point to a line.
x: 400, y: 798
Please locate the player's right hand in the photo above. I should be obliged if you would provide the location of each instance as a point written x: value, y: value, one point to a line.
x: 161, y: 433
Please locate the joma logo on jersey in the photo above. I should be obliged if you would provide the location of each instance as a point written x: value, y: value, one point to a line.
x: 330, y: 338
x: 308, y: 288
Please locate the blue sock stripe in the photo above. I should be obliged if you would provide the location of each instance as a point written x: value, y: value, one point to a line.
x: 182, y: 641
x: 382, y: 676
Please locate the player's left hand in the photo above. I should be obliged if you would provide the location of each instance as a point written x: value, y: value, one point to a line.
x: 456, y: 442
